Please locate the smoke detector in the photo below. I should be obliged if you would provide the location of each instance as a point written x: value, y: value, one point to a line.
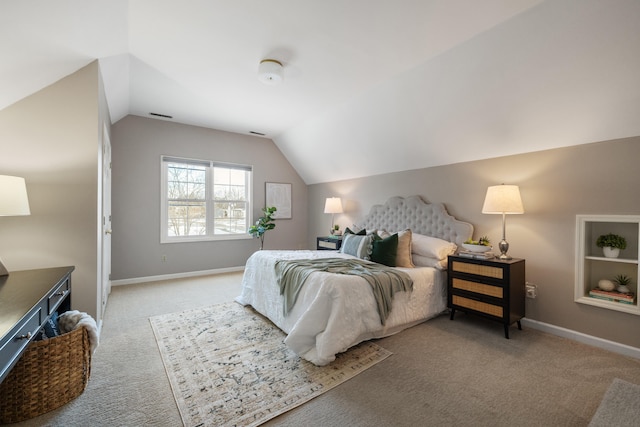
x: 270, y: 72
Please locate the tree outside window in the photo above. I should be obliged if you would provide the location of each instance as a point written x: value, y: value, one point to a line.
x: 204, y: 200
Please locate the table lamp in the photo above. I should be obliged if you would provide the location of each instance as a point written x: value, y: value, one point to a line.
x: 503, y: 199
x: 333, y: 205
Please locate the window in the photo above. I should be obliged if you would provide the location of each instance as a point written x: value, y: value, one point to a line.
x: 204, y: 200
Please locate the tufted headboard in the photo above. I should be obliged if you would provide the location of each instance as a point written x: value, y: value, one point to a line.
x: 430, y: 219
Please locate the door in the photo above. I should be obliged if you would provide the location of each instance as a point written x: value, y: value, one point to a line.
x: 105, y: 285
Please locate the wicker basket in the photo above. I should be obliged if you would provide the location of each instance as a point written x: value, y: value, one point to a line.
x: 49, y: 374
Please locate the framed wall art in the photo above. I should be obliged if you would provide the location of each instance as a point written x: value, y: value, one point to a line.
x: 279, y: 195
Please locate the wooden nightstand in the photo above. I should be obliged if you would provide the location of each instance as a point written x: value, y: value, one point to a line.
x: 491, y: 288
x: 328, y: 243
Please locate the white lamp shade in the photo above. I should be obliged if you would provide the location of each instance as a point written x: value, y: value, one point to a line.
x: 13, y: 196
x: 333, y: 205
x: 503, y: 199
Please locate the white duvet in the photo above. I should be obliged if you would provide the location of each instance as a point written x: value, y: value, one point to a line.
x: 334, y: 312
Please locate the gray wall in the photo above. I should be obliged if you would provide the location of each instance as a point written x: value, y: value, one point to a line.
x: 137, y: 144
x: 51, y: 138
x: 556, y: 185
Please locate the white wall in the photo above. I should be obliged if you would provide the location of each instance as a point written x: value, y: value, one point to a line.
x: 51, y: 139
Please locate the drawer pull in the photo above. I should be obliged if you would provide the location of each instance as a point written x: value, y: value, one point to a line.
x: 27, y: 336
x: 60, y: 294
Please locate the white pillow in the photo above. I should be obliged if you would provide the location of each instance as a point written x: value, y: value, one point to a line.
x: 431, y: 247
x: 423, y: 261
x: 359, y: 246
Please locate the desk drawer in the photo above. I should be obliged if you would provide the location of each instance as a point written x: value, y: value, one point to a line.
x: 482, y: 307
x: 13, y: 348
x: 478, y: 288
x: 57, y: 296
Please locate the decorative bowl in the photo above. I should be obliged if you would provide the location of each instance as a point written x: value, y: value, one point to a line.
x: 476, y: 248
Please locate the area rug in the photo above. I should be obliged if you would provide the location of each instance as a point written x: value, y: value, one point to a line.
x: 228, y: 365
x: 620, y: 406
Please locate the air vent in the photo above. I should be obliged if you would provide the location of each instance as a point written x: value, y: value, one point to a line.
x: 256, y: 133
x: 164, y: 116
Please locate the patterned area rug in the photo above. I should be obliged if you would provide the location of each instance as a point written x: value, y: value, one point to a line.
x: 229, y: 366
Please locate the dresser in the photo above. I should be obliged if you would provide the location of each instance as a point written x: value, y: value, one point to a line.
x: 491, y: 288
x: 27, y: 300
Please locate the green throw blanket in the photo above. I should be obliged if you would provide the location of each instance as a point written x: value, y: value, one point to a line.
x: 384, y: 281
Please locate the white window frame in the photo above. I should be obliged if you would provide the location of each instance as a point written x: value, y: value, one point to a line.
x: 209, y: 200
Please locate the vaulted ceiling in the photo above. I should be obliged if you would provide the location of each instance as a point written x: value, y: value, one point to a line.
x: 369, y: 86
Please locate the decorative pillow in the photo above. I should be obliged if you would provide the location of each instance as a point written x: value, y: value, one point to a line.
x: 362, y: 232
x: 423, y: 261
x: 385, y: 251
x: 431, y: 247
x: 403, y: 258
x: 51, y: 326
x: 358, y: 246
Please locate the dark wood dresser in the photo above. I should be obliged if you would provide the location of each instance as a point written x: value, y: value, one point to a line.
x: 27, y: 300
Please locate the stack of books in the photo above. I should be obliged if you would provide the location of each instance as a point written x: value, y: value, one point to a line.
x: 476, y: 255
x: 612, y: 296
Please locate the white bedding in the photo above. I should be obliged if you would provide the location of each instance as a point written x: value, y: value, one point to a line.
x: 334, y: 312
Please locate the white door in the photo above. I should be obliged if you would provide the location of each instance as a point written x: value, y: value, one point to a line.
x: 105, y: 285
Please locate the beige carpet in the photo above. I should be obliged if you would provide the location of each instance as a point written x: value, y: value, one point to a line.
x: 228, y: 365
x: 442, y: 372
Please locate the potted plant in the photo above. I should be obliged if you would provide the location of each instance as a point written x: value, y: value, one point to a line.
x: 336, y: 230
x: 263, y: 224
x: 611, y: 244
x: 622, y: 281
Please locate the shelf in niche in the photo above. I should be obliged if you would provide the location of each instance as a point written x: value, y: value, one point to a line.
x: 590, y: 269
x: 623, y: 260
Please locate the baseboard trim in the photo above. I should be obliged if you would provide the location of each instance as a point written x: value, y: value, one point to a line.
x: 173, y: 276
x: 612, y: 346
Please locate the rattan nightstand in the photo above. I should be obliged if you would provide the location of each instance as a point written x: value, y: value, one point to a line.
x: 491, y: 288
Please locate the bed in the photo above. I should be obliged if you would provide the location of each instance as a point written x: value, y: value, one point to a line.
x: 334, y: 312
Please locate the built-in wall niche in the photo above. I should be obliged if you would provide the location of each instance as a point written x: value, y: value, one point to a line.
x: 592, y: 266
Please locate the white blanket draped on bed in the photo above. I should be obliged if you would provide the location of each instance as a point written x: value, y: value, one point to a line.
x: 333, y: 311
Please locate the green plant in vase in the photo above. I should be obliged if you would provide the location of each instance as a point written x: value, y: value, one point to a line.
x: 263, y: 224
x: 611, y: 244
x: 622, y: 281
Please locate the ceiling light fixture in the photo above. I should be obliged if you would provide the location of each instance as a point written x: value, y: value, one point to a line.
x: 270, y: 72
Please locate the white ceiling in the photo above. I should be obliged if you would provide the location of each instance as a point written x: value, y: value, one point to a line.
x: 400, y: 84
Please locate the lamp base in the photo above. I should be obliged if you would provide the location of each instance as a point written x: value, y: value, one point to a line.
x: 504, y: 247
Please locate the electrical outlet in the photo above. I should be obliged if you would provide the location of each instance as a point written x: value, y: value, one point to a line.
x: 531, y: 290
x: 164, y: 258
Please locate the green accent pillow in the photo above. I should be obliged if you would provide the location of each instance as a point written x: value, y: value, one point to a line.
x: 385, y: 250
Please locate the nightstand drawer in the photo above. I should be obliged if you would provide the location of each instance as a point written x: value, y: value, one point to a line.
x: 478, y: 270
x: 478, y: 288
x: 482, y: 307
x: 328, y: 243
